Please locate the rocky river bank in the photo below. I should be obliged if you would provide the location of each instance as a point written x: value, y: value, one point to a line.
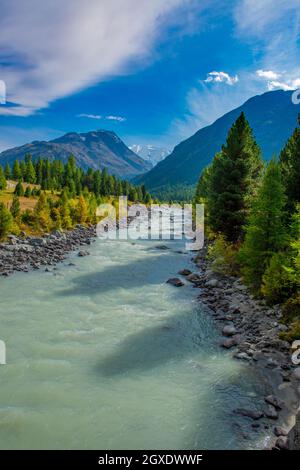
x: 25, y: 253
x: 250, y: 329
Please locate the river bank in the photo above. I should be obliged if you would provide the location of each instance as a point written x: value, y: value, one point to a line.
x: 25, y: 253
x: 250, y: 329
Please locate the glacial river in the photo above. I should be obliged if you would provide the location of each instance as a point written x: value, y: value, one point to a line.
x: 103, y: 354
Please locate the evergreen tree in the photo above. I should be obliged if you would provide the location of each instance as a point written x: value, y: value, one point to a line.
x: 27, y: 192
x: 202, y: 188
x: 290, y: 168
x: 2, y: 179
x: 16, y: 172
x: 265, y: 231
x: 81, y: 210
x: 7, y: 172
x: 233, y: 180
x: 30, y: 175
x: 19, y: 190
x: 15, y: 207
x: 6, y: 221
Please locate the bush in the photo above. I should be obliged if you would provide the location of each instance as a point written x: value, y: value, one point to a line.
x: 276, y: 284
x: 223, y: 257
x: 6, y: 221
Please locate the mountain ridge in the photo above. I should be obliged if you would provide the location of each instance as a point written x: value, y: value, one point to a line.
x: 95, y: 149
x: 264, y: 112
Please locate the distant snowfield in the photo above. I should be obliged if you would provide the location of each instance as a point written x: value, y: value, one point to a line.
x: 150, y: 153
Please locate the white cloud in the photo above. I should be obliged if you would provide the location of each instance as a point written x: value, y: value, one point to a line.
x: 221, y: 77
x: 115, y: 118
x: 60, y: 47
x: 267, y: 74
x: 89, y: 116
x: 278, y: 80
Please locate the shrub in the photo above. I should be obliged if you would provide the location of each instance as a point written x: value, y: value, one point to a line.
x: 276, y: 284
x: 223, y: 257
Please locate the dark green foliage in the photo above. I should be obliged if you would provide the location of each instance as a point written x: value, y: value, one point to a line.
x: 290, y: 168
x: 233, y: 179
x: 265, y: 232
x: 6, y: 221
x: 19, y: 190
x: 2, y: 179
x: 27, y: 192
x: 15, y: 207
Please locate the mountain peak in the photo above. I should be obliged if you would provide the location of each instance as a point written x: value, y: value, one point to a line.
x: 95, y: 149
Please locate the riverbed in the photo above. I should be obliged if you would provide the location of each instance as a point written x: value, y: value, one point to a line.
x: 103, y: 354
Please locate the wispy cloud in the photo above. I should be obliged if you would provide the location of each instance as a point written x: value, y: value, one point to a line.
x: 115, y: 118
x: 60, y: 47
x: 98, y: 117
x: 89, y: 116
x: 221, y: 77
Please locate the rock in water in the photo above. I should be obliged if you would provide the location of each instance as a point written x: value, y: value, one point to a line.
x: 175, y: 281
x: 253, y: 414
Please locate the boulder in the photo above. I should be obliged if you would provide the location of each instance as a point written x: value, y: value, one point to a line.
x: 253, y: 414
x: 83, y: 253
x: 272, y: 400
x: 212, y: 283
x: 279, y: 431
x: 296, y: 373
x: 282, y: 443
x: 270, y: 412
x: 185, y: 272
x: 175, y: 281
x: 229, y: 343
x: 229, y: 330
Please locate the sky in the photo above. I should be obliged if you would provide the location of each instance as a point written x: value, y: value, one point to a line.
x: 153, y: 71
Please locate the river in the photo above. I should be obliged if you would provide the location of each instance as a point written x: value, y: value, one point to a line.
x: 103, y: 354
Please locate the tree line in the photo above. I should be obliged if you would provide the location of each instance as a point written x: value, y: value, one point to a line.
x: 66, y: 194
x: 253, y: 215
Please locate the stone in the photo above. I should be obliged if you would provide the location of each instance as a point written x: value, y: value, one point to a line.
x: 185, y: 272
x: 175, y: 281
x: 271, y: 412
x: 229, y: 343
x: 229, y: 330
x: 274, y: 401
x: 282, y: 443
x: 83, y: 253
x: 253, y: 414
x: 279, y: 431
x: 296, y: 373
x: 212, y: 283
x: 194, y: 278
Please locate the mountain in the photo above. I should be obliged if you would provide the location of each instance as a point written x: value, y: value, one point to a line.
x: 272, y: 116
x: 150, y: 153
x: 97, y: 149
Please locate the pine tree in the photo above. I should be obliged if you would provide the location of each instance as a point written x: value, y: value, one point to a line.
x: 265, y: 231
x: 2, y: 179
x: 30, y: 175
x: 19, y: 190
x: 233, y: 180
x: 6, y: 221
x: 27, y: 192
x: 7, y: 171
x: 290, y: 168
x: 203, y: 186
x: 16, y: 172
x: 15, y: 207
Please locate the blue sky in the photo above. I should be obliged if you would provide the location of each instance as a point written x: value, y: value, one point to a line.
x: 152, y: 71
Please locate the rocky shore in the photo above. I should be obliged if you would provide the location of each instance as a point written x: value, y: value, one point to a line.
x: 250, y: 329
x: 25, y: 253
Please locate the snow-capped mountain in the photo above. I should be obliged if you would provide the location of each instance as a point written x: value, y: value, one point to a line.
x: 150, y: 153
